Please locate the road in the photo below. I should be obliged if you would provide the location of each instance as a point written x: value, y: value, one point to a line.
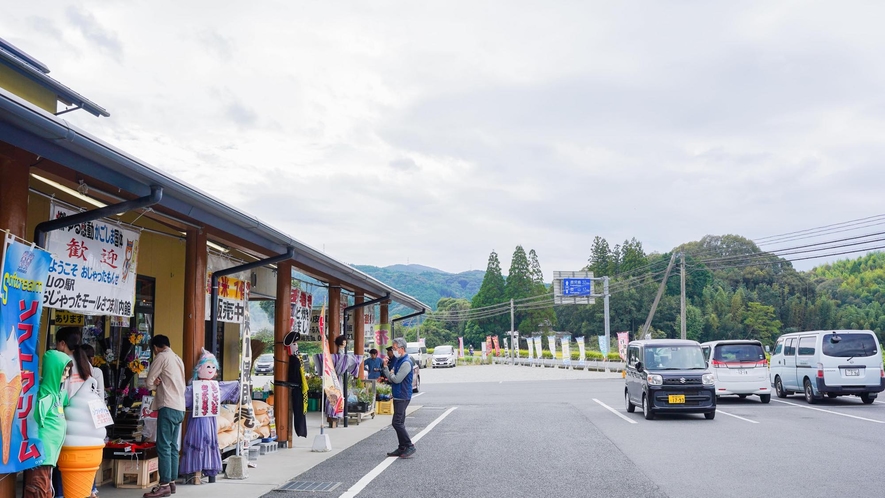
x: 519, y: 431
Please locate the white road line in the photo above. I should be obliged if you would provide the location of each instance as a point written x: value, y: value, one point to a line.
x: 614, y: 411
x: 381, y: 467
x: 830, y: 411
x: 735, y: 416
x: 416, y: 395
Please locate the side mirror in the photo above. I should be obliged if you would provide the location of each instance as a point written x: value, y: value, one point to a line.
x: 706, y: 364
x: 639, y: 366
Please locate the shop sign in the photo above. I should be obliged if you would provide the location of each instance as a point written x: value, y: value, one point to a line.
x: 231, y: 299
x: 207, y: 398
x: 299, y: 320
x: 66, y: 318
x: 93, y: 268
x: 25, y: 269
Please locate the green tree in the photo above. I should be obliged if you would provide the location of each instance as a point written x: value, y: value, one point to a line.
x: 520, y: 285
x: 491, y: 292
x: 761, y: 323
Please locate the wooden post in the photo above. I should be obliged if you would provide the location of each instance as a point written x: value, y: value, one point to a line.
x: 334, y: 317
x: 359, y: 328
x: 195, y: 259
x: 282, y: 315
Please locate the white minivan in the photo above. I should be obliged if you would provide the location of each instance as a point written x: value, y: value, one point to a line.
x: 828, y: 363
x: 739, y: 367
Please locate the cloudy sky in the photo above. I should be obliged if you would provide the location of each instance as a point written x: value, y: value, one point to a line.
x: 436, y: 132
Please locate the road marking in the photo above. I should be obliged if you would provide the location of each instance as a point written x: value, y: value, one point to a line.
x: 735, y: 416
x: 614, y: 411
x: 416, y: 395
x: 830, y: 411
x: 381, y: 467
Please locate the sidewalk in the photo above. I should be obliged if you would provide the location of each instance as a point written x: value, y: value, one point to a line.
x: 273, y: 469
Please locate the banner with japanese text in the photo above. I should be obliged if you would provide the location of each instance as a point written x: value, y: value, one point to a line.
x: 299, y: 320
x: 539, y: 348
x: 207, y: 398
x: 531, y: 345
x: 331, y: 382
x: 551, y: 341
x: 25, y: 269
x: 566, y: 352
x: 623, y: 339
x: 232, y: 291
x: 460, y: 347
x: 603, y: 346
x: 93, y: 268
x: 582, y: 354
x: 382, y: 335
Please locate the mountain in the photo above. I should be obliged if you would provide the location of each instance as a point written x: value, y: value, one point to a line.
x: 426, y: 284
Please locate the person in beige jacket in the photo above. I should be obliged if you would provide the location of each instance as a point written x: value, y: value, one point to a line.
x: 166, y: 375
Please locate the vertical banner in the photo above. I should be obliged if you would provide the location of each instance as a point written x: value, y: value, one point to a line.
x: 382, y: 335
x: 485, y: 348
x: 495, y: 343
x: 93, y: 268
x: 623, y: 339
x: 538, y: 347
x: 603, y: 346
x: 25, y: 270
x: 582, y: 353
x: 551, y: 341
x: 531, y: 345
x: 246, y: 411
x: 460, y: 347
x: 301, y: 303
x: 331, y: 383
x: 566, y: 352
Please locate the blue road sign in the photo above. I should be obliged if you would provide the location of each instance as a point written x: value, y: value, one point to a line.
x: 576, y: 286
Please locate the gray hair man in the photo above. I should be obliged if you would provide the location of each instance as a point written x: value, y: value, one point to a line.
x: 400, y: 376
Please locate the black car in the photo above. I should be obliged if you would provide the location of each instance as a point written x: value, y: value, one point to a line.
x: 668, y: 376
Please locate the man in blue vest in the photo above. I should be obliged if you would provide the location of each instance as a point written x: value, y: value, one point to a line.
x: 400, y: 376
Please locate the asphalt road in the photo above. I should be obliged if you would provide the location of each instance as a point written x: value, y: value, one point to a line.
x: 519, y: 431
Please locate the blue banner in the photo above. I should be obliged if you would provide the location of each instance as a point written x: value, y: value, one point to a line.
x: 603, y: 345
x: 576, y: 286
x: 25, y: 270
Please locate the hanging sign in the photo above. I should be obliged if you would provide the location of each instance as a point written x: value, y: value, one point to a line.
x: 24, y: 272
x: 101, y: 416
x: 299, y: 321
x: 231, y: 301
x: 66, y: 318
x: 93, y: 268
x: 207, y: 398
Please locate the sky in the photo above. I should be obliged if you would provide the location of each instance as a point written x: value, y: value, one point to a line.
x: 436, y: 132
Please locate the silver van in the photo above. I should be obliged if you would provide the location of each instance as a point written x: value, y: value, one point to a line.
x: 828, y: 363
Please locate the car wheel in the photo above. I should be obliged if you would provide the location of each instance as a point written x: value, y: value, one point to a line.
x: 646, y: 409
x: 630, y: 406
x: 779, y: 387
x: 765, y: 398
x: 809, y: 392
x: 742, y: 396
x: 867, y: 399
x: 710, y: 415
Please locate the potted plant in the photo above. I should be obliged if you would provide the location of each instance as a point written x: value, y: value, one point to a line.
x: 314, y: 387
x: 384, y: 392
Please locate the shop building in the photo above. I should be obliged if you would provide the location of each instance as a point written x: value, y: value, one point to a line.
x: 48, y: 166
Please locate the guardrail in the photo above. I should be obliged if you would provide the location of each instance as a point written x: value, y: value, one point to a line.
x: 595, y: 365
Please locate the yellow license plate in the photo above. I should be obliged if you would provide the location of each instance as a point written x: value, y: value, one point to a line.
x: 677, y: 398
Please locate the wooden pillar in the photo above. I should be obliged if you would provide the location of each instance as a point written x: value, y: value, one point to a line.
x: 334, y: 317
x: 281, y: 317
x: 384, y: 323
x: 195, y: 262
x: 359, y: 328
x: 14, y: 171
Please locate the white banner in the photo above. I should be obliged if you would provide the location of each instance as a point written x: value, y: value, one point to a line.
x: 299, y: 320
x: 530, y: 341
x: 231, y: 291
x: 583, y: 356
x: 460, y: 347
x: 623, y: 339
x: 207, y: 398
x: 539, y: 349
x: 603, y: 346
x: 551, y: 341
x: 93, y: 267
x: 566, y: 352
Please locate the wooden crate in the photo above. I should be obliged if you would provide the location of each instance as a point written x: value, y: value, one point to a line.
x: 136, y: 473
x: 106, y: 472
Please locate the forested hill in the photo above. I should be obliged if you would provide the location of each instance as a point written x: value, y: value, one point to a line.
x: 426, y: 284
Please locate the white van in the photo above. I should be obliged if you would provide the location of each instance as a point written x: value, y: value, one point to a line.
x: 418, y: 353
x: 828, y: 363
x: 739, y: 367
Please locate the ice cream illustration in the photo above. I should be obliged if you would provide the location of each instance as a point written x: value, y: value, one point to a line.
x: 10, y: 389
x: 81, y: 453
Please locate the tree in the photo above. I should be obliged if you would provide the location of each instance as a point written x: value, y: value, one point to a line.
x: 601, y: 258
x: 761, y: 323
x: 491, y: 292
x: 520, y: 285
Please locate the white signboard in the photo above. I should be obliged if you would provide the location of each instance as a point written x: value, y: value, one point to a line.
x: 231, y: 292
x: 299, y: 321
x: 207, y: 398
x: 93, y: 267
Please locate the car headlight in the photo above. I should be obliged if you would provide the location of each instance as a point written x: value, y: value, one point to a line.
x: 655, y: 380
x: 708, y: 379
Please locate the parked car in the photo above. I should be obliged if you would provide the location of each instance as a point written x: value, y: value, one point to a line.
x: 416, y: 377
x: 264, y: 365
x: 668, y: 376
x: 418, y: 353
x: 444, y: 356
x: 828, y: 363
x: 738, y: 367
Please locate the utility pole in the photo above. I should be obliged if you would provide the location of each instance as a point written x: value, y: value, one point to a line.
x: 607, y: 328
x: 654, y: 305
x: 682, y: 285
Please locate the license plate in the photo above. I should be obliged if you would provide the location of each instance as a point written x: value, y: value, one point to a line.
x: 743, y: 371
x: 852, y: 372
x: 677, y: 398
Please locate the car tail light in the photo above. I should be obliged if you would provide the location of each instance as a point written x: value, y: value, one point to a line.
x: 762, y: 363
x: 719, y: 364
x: 820, y: 371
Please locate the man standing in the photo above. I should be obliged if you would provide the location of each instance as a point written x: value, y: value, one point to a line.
x: 401, y: 378
x: 372, y: 366
x: 167, y: 376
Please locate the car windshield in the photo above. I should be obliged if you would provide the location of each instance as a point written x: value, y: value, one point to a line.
x: 674, y: 358
x: 265, y: 358
x: 751, y: 352
x: 443, y: 350
x: 412, y: 350
x: 849, y: 345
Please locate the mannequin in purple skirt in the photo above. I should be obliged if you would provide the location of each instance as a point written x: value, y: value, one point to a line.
x: 200, y: 446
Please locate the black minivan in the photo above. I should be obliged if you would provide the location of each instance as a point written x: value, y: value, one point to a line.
x: 668, y: 376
